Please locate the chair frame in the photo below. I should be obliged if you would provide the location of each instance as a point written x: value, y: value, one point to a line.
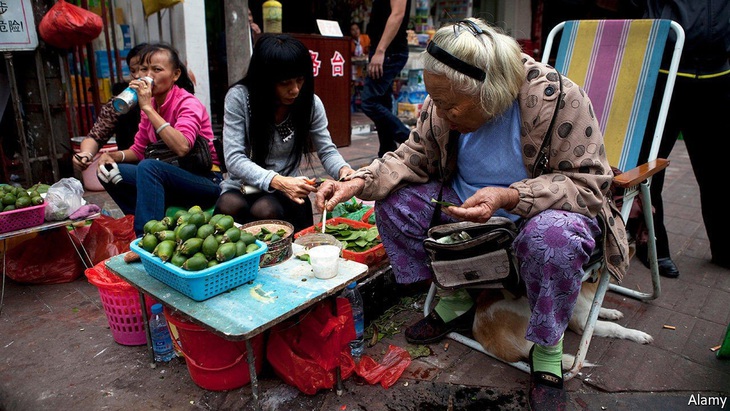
x: 635, y: 182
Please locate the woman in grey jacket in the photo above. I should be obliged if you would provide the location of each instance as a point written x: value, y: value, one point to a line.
x: 272, y: 121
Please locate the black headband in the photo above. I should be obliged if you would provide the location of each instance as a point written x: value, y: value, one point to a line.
x: 455, y: 63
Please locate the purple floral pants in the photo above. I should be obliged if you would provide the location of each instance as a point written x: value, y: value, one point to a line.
x: 551, y: 249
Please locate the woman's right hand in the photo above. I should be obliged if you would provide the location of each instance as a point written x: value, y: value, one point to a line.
x: 331, y: 193
x: 294, y: 187
x: 105, y: 158
x: 82, y: 160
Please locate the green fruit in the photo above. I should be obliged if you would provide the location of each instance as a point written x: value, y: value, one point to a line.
x: 191, y: 246
x: 164, y: 250
x: 212, y: 263
x: 247, y: 237
x: 9, y: 198
x: 149, y: 242
x: 215, y: 219
x: 240, y: 248
x: 186, y: 232
x: 197, y: 218
x: 10, y: 207
x: 183, y: 218
x: 195, y: 263
x: 205, y: 230
x: 251, y: 248
x: 195, y: 209
x: 232, y: 235
x: 169, y: 222
x: 208, y: 215
x: 223, y: 224
x: 23, y: 193
x: 37, y: 200
x: 148, y: 226
x: 165, y: 235
x: 22, y: 202
x: 210, y: 246
x: 158, y: 226
x: 226, y: 252
x: 7, y: 188
x: 179, y: 213
x: 178, y: 259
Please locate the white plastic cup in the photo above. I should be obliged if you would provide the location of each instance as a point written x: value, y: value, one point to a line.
x: 325, y: 261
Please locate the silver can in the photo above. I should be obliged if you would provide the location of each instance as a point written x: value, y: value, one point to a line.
x: 128, y: 98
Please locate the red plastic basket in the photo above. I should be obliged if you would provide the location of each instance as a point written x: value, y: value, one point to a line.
x: 22, y: 218
x: 370, y: 257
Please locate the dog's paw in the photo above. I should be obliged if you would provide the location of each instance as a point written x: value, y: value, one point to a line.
x: 610, y: 314
x: 640, y: 337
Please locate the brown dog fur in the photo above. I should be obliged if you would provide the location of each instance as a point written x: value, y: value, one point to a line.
x: 500, y: 323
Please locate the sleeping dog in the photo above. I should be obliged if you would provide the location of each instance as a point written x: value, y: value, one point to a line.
x: 500, y: 324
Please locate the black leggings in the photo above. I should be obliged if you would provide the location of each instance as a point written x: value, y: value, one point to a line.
x: 265, y: 206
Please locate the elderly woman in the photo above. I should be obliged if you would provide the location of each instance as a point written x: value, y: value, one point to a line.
x: 500, y: 134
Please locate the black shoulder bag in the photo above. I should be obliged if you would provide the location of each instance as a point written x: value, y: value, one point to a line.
x: 197, y: 161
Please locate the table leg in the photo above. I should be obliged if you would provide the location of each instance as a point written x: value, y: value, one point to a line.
x: 146, y: 321
x: 252, y: 374
x: 85, y: 259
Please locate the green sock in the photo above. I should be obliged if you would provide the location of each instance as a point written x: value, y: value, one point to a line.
x: 453, y: 304
x: 548, y: 358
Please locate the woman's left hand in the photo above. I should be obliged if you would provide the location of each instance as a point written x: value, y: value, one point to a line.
x: 345, y: 171
x: 294, y: 187
x: 484, y: 203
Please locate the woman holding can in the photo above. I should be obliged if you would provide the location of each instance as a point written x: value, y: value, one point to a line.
x: 171, y: 113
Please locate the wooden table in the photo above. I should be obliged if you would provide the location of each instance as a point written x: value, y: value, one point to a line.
x: 277, y: 293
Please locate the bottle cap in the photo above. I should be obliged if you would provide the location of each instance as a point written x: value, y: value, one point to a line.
x: 352, y: 285
x: 157, y: 308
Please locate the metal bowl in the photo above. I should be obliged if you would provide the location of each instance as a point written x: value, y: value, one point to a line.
x: 279, y: 250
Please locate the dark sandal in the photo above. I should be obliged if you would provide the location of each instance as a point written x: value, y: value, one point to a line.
x: 432, y: 328
x: 546, y: 390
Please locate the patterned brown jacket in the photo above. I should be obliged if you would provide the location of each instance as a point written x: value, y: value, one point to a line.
x: 576, y: 177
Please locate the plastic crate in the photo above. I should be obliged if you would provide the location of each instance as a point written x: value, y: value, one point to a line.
x: 207, y: 283
x: 370, y: 257
x: 22, y: 218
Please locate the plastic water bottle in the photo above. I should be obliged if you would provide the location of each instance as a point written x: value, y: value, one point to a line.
x: 128, y: 98
x: 357, y: 346
x: 161, y: 339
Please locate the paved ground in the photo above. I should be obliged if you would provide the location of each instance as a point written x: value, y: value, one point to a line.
x: 57, y: 352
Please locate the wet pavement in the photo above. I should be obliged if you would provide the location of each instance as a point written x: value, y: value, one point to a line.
x: 57, y: 351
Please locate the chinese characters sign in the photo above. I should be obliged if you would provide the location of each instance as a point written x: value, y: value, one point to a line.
x: 337, y: 62
x: 17, y: 27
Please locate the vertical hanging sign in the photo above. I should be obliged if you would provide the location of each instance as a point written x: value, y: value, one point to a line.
x: 17, y: 26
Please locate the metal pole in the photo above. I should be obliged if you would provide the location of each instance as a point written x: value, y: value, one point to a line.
x: 66, y: 73
x: 117, y: 63
x: 18, y: 116
x: 43, y: 88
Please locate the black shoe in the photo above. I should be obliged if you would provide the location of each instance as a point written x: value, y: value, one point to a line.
x: 722, y: 262
x: 546, y: 390
x: 432, y: 328
x: 667, y: 268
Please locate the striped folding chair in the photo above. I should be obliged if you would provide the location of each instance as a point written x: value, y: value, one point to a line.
x: 617, y: 63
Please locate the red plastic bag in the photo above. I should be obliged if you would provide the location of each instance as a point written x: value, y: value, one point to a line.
x: 101, y: 277
x: 48, y: 258
x: 108, y: 237
x: 388, y: 371
x: 66, y: 25
x: 305, y: 353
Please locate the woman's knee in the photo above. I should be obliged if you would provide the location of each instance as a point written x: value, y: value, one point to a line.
x: 554, y: 230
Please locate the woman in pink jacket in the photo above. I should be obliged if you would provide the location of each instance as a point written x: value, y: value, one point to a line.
x: 171, y: 113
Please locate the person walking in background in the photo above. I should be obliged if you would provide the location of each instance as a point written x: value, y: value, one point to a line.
x: 700, y: 101
x: 388, y: 56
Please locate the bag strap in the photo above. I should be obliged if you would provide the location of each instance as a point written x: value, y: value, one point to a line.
x: 436, y: 217
x: 541, y: 164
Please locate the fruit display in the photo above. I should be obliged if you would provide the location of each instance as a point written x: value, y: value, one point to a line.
x: 15, y: 198
x: 194, y: 239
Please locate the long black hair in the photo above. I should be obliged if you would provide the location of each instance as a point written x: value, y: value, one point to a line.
x: 184, y: 80
x: 279, y: 57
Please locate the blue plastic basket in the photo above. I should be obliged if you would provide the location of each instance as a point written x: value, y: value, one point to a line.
x: 207, y: 283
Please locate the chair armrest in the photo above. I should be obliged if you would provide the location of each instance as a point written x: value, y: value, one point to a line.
x: 638, y: 174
